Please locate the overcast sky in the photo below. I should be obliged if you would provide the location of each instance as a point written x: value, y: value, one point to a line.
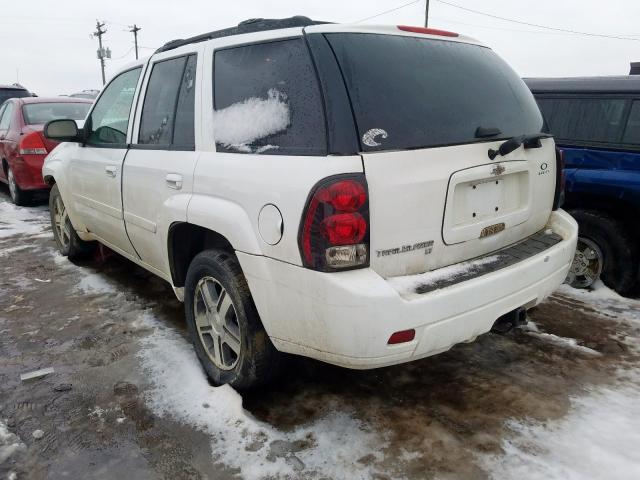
x: 47, y: 44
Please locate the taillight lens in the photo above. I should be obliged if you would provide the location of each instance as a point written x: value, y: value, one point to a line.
x: 558, y: 199
x: 334, y: 232
x: 32, y: 144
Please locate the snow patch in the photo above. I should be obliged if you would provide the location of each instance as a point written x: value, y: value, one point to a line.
x: 406, y: 285
x: 95, y: 283
x: 241, y: 124
x: 9, y: 443
x: 22, y: 221
x: 598, y: 439
x: 180, y: 390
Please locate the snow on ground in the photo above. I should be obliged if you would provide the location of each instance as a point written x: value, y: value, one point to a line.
x: 25, y: 221
x: 9, y: 443
x: 95, y: 283
x: 532, y: 329
x: 600, y: 436
x: 181, y: 390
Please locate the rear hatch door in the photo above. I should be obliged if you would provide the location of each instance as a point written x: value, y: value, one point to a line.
x: 427, y: 113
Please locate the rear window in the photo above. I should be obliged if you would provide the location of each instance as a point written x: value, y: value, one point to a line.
x: 7, y: 93
x: 599, y: 120
x: 410, y: 92
x: 40, y: 113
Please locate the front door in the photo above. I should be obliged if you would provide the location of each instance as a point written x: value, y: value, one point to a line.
x: 158, y: 170
x: 96, y: 168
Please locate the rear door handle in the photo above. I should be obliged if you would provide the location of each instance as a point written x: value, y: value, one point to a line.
x: 111, y: 170
x: 174, y: 181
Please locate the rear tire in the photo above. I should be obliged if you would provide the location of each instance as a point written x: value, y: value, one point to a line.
x: 18, y: 196
x: 224, y: 325
x: 67, y: 240
x: 614, y: 244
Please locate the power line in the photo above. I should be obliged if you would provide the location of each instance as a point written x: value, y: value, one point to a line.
x: 388, y: 11
x: 565, y: 30
x: 135, y: 29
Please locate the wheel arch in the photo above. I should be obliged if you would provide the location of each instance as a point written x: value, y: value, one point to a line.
x: 184, y: 241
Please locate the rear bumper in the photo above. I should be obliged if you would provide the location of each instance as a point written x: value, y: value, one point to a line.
x: 347, y: 318
x: 28, y: 172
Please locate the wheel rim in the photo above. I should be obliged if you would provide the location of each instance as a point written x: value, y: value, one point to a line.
x: 587, y: 264
x: 60, y: 222
x: 217, y: 323
x: 13, y: 188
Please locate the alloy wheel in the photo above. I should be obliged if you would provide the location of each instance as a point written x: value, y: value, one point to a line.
x: 587, y: 264
x: 217, y: 323
x: 13, y: 188
x: 60, y: 222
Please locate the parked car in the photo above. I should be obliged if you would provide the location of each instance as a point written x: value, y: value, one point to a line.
x: 13, y: 91
x: 596, y: 122
x: 23, y: 147
x: 305, y: 195
x: 91, y: 94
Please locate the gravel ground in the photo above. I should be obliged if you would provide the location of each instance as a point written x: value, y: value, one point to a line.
x: 127, y: 399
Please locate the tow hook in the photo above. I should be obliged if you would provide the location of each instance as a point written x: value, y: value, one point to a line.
x: 509, y: 321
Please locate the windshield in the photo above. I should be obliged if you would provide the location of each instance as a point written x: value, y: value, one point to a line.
x: 7, y: 93
x: 410, y: 92
x: 40, y: 113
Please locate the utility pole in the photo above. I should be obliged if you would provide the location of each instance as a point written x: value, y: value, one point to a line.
x: 426, y: 15
x: 135, y: 29
x: 101, y: 52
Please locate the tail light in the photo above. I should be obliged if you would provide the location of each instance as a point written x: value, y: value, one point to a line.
x: 558, y: 199
x: 427, y: 31
x: 334, y: 231
x: 32, y: 144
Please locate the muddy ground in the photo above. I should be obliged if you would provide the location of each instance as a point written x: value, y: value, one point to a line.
x: 104, y: 412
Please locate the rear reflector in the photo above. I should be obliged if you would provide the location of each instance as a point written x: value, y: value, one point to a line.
x: 403, y: 336
x: 427, y: 31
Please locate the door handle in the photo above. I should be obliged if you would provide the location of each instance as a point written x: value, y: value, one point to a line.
x: 174, y: 181
x: 111, y: 170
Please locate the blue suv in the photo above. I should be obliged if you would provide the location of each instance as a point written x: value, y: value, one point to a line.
x: 596, y: 124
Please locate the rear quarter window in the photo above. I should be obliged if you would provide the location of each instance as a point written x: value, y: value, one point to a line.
x: 267, y: 100
x: 583, y: 119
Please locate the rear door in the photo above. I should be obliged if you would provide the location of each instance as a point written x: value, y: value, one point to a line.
x: 95, y: 171
x: 158, y: 171
x: 427, y: 113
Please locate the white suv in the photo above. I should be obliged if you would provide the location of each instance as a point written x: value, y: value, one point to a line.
x: 361, y: 195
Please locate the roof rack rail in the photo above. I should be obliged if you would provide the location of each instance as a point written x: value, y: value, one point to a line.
x: 248, y: 26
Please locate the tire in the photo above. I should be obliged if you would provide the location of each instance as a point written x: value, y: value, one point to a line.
x: 67, y: 240
x: 228, y: 337
x: 18, y: 196
x: 607, y: 238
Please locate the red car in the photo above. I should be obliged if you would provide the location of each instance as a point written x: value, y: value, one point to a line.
x: 23, y: 147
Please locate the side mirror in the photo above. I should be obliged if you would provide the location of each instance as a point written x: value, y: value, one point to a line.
x: 62, y: 131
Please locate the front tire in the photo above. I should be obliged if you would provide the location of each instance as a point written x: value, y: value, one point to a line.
x: 67, y: 240
x: 224, y: 325
x: 605, y: 249
x: 18, y: 196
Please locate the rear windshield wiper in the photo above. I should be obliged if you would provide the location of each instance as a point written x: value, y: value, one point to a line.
x: 529, y: 141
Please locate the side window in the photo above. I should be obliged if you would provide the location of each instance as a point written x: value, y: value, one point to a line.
x: 183, y: 133
x: 599, y: 120
x: 167, y: 113
x: 267, y: 100
x: 110, y: 117
x: 5, y: 122
x: 632, y: 132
